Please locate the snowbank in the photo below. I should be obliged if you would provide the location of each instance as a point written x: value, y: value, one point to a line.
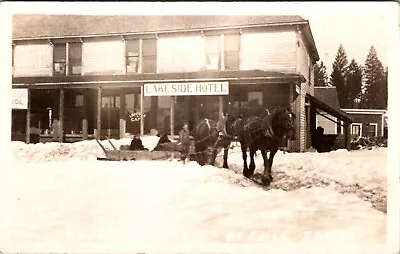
x: 64, y: 200
x: 84, y: 150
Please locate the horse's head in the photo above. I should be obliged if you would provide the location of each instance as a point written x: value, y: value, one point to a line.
x: 229, y: 125
x: 282, y: 123
x: 288, y: 121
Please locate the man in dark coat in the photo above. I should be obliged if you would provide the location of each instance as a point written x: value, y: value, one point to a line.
x: 184, y: 139
x: 136, y: 144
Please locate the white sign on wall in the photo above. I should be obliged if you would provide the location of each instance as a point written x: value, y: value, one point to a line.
x: 19, y: 99
x: 186, y: 88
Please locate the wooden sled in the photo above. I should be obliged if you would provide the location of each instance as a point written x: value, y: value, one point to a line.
x: 124, y: 154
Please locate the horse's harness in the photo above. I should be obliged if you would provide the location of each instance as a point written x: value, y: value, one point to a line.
x: 207, y: 122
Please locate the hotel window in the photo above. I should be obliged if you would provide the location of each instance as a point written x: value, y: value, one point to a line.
x: 356, y: 129
x: 132, y: 56
x: 213, y: 52
x: 149, y: 52
x: 75, y: 58
x: 59, y: 59
x: 231, y: 50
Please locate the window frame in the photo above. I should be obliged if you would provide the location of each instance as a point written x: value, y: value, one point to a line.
x: 360, y: 126
x: 236, y: 52
x: 208, y: 54
x: 376, y: 129
x: 72, y: 60
x: 133, y: 56
x: 147, y: 57
x: 62, y: 62
x: 339, y: 127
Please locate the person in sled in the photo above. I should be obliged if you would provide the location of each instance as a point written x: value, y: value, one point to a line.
x: 136, y: 144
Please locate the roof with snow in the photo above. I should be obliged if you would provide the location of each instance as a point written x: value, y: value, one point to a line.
x: 35, y: 26
x: 328, y: 95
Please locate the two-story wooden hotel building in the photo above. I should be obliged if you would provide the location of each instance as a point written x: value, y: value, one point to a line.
x: 88, y: 72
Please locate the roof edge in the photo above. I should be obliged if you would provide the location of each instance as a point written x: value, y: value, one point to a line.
x: 304, y: 22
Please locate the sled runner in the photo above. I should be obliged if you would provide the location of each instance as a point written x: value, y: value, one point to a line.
x: 125, y: 154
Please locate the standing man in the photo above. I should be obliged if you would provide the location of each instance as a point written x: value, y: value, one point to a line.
x: 184, y: 139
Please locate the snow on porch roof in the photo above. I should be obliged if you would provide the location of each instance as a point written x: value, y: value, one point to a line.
x: 327, y: 108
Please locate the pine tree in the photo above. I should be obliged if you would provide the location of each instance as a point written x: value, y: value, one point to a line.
x: 375, y: 83
x: 339, y: 68
x: 320, y: 75
x: 353, y: 77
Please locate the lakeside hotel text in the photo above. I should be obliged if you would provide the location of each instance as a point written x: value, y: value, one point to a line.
x: 192, y: 88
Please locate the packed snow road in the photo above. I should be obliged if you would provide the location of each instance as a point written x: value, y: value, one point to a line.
x: 64, y: 200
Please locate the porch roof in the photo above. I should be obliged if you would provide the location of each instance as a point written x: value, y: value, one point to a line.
x: 136, y: 80
x: 330, y: 110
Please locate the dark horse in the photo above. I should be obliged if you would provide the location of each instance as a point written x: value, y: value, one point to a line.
x: 264, y: 134
x: 209, y: 133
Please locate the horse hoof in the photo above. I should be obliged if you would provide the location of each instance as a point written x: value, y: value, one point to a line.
x: 225, y: 166
x: 266, y: 180
x: 247, y: 173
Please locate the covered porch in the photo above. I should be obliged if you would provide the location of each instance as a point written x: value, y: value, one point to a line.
x: 342, y: 119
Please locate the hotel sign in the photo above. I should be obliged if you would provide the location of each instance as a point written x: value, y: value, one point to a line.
x: 186, y: 88
x: 19, y: 99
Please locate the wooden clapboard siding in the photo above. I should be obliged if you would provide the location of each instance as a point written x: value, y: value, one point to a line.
x: 33, y: 60
x: 304, y: 62
x: 303, y: 66
x: 180, y: 54
x: 100, y: 57
x: 272, y: 50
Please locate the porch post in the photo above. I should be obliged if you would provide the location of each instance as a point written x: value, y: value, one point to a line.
x: 28, y: 119
x: 347, y: 135
x: 84, y: 120
x: 154, y: 110
x: 122, y: 123
x: 141, y: 112
x: 98, y: 134
x: 221, y: 106
x: 61, y: 120
x: 172, y: 116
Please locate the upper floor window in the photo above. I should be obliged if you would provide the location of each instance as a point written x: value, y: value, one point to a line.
x: 132, y: 56
x: 231, y: 51
x: 149, y: 56
x: 213, y: 54
x: 75, y: 58
x: 59, y: 59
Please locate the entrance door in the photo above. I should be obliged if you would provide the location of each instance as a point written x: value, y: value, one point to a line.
x: 110, y: 104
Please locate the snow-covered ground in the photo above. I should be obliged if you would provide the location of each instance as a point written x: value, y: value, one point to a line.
x: 64, y: 200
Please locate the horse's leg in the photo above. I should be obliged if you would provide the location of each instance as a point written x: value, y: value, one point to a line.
x: 213, y: 156
x: 252, y: 165
x: 226, y: 156
x: 246, y: 172
x: 199, y: 154
x: 267, y: 174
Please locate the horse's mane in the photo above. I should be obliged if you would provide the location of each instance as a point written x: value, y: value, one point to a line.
x: 277, y: 121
